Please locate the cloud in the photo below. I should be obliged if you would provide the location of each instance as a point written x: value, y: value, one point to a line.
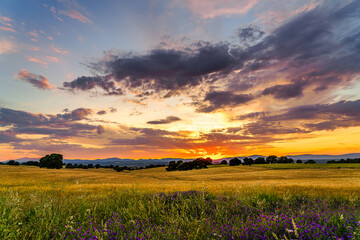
x: 6, y: 47
x: 102, y: 112
x: 250, y: 34
x: 169, y: 119
x: 305, y: 119
x: 113, y: 110
x: 77, y: 114
x: 52, y: 59
x: 8, y: 137
x: 251, y: 116
x: 75, y: 15
x: 59, y: 126
x: 58, y: 50
x: 219, y: 99
x: 35, y: 60
x: 9, y: 29
x: 38, y: 81
x: 214, y: 8
x: 312, y: 52
x: 164, y: 70
x: 285, y: 91
x: 86, y: 83
x: 100, y: 129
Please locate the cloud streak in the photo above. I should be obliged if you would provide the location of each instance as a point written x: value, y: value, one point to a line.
x: 167, y: 120
x: 38, y: 81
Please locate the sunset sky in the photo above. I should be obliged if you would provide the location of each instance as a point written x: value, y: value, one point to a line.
x: 179, y: 78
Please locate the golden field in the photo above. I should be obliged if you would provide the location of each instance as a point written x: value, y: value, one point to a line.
x: 326, y: 179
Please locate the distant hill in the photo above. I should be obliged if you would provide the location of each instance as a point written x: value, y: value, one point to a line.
x: 144, y: 162
x: 124, y: 162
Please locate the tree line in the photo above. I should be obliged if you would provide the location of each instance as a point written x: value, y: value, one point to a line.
x: 272, y: 159
x: 198, y: 163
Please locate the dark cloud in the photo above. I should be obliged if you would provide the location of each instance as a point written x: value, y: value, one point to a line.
x: 166, y: 120
x: 219, y: 99
x: 262, y: 128
x: 100, y: 129
x: 102, y: 112
x: 251, y: 116
x: 250, y: 34
x: 307, y: 118
x: 8, y: 137
x: 57, y: 126
x: 285, y: 91
x: 312, y: 51
x: 38, y: 81
x: 86, y: 83
x: 347, y: 109
x: 163, y: 70
x: 113, y: 110
x: 77, y: 114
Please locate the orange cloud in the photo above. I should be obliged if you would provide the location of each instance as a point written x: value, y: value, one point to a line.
x: 6, y: 46
x: 6, y: 19
x: 58, y: 50
x: 7, y: 29
x: 52, y: 59
x: 75, y: 15
x: 31, y: 59
x: 38, y: 81
x: 34, y: 34
x: 214, y: 8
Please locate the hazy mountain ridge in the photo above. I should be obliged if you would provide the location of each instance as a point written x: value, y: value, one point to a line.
x: 144, y: 162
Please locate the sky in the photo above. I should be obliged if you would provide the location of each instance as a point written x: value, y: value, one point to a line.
x: 179, y: 78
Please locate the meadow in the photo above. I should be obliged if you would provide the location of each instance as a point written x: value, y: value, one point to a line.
x: 281, y: 201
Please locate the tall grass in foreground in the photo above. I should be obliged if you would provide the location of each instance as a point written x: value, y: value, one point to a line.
x: 133, y: 214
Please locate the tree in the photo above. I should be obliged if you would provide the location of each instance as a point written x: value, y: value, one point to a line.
x: 272, y: 159
x: 53, y: 160
x: 310, y: 162
x: 224, y: 162
x: 31, y: 163
x: 97, y: 166
x: 235, y: 162
x: 298, y: 161
x: 69, y: 165
x: 248, y: 161
x: 260, y: 160
x: 13, y: 163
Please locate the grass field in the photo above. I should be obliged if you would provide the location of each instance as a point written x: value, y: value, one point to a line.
x: 43, y: 203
